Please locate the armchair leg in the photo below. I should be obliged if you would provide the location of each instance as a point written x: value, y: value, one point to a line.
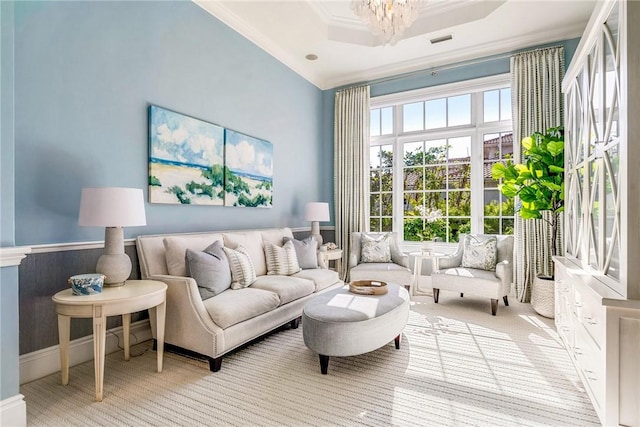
x: 436, y: 294
x: 494, y: 306
x: 506, y: 300
x: 461, y: 295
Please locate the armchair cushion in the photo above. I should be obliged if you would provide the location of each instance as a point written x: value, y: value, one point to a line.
x: 480, y: 253
x: 376, y: 248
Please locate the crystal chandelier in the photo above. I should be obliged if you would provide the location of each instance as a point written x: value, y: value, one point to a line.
x: 387, y: 18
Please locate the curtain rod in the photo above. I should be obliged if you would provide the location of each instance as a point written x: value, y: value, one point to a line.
x: 434, y: 70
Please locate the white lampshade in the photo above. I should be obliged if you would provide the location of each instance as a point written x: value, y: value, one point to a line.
x: 112, y: 207
x: 317, y: 211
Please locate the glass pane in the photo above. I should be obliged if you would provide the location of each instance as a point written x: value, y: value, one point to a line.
x: 413, y: 154
x: 387, y: 224
x: 387, y: 120
x: 374, y: 181
x: 460, y: 175
x: 386, y: 156
x: 459, y: 110
x: 435, y: 151
x: 460, y: 203
x: 435, y: 177
x: 412, y: 115
x: 412, y: 229
x: 491, y: 106
x: 374, y: 157
x: 489, y: 182
x: 506, y: 146
x: 507, y: 205
x: 411, y: 202
x: 374, y: 127
x: 387, y: 204
x: 374, y: 206
x: 507, y: 226
x: 594, y: 243
x: 413, y: 179
x: 505, y: 104
x: 458, y: 226
x: 386, y: 180
x: 492, y: 226
x: 436, y: 113
x: 492, y: 203
x: 460, y: 149
x: 374, y: 224
x: 491, y: 146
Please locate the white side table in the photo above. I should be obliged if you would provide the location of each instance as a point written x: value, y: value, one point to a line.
x: 419, y: 257
x: 334, y: 255
x: 135, y: 295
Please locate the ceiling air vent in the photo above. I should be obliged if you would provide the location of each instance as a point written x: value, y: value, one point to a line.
x: 441, y: 39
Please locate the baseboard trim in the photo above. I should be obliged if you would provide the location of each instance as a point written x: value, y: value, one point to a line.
x: 41, y: 363
x: 13, y: 411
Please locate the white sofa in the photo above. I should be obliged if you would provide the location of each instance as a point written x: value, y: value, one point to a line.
x: 217, y: 325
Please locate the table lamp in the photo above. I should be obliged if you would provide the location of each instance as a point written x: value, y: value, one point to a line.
x: 316, y: 212
x: 113, y: 208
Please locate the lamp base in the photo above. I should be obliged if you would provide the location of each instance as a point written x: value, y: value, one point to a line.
x: 315, y: 232
x: 114, y: 263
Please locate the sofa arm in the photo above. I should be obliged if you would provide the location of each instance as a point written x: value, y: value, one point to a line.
x: 504, y: 271
x: 188, y: 323
x: 449, y: 261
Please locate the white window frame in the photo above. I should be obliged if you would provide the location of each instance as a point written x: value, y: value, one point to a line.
x: 476, y: 129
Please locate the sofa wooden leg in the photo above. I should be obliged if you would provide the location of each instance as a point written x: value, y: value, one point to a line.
x: 461, y: 295
x: 215, y: 363
x: 324, y: 364
x: 397, y: 341
x: 494, y: 306
x: 295, y: 322
x: 506, y: 300
x: 436, y: 294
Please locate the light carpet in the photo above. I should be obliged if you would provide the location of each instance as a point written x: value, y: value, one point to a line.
x: 457, y: 365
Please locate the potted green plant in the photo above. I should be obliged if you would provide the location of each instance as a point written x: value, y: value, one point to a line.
x: 539, y: 185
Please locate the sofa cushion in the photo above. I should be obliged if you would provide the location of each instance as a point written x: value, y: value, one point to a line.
x: 235, y: 306
x: 321, y: 277
x: 480, y: 253
x: 242, y: 272
x: 306, y: 251
x: 252, y: 242
x: 376, y: 248
x: 176, y: 248
x: 210, y: 269
x: 281, y: 260
x: 275, y: 235
x: 288, y: 288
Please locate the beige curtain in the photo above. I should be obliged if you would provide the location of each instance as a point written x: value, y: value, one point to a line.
x: 537, y: 102
x: 351, y: 169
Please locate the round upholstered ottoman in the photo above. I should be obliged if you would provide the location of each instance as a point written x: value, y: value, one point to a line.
x: 341, y: 323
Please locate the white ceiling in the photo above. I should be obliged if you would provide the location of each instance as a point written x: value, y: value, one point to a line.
x: 349, y: 53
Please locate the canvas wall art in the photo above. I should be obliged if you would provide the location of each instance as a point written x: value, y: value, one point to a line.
x: 186, y: 163
x: 249, y: 171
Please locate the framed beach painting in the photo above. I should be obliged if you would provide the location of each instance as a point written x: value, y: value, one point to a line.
x: 185, y: 159
x: 249, y: 171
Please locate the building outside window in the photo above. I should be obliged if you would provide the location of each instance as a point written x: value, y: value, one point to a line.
x: 431, y: 156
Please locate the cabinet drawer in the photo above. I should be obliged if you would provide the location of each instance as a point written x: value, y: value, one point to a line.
x: 590, y: 364
x: 590, y: 313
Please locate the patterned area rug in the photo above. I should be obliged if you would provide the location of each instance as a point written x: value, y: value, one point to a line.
x: 457, y: 365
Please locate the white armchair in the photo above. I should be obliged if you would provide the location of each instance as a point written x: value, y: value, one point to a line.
x: 493, y: 284
x: 396, y: 271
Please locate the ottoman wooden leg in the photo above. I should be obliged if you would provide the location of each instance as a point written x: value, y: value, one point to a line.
x: 397, y: 340
x: 324, y: 364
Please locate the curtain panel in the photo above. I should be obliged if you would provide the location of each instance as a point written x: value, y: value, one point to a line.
x: 537, y: 103
x: 351, y: 166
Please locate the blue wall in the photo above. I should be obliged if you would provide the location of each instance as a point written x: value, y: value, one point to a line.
x: 85, y: 75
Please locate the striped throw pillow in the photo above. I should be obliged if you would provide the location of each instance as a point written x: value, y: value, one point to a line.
x: 281, y: 260
x: 242, y: 272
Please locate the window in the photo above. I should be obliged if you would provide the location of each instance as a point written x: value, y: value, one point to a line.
x: 445, y: 141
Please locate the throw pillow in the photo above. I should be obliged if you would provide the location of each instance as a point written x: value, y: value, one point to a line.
x: 306, y: 251
x: 281, y: 260
x: 210, y: 269
x: 480, y: 254
x: 242, y: 272
x: 376, y: 248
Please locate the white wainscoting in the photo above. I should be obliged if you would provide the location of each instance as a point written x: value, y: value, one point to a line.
x: 13, y: 411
